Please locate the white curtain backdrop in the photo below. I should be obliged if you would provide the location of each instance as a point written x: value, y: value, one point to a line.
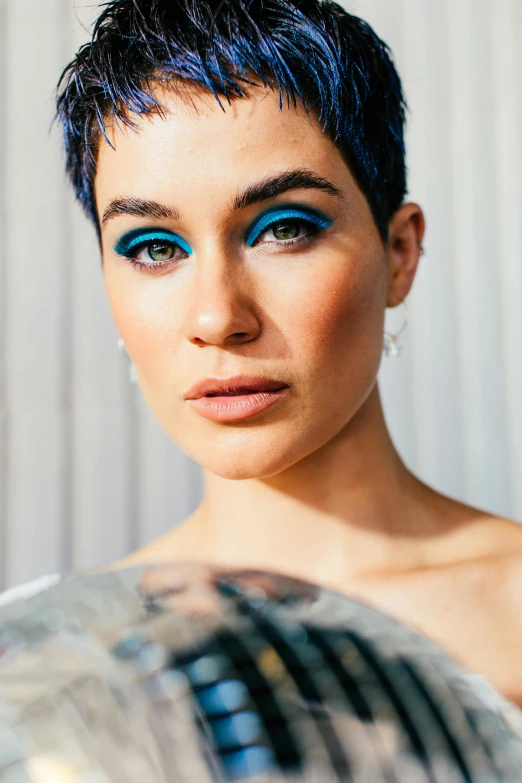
x: 86, y: 473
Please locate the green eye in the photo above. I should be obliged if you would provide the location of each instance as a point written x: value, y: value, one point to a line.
x: 288, y: 230
x: 160, y: 251
x: 285, y: 224
x: 151, y: 247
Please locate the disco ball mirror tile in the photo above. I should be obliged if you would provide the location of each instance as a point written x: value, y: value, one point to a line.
x: 190, y: 674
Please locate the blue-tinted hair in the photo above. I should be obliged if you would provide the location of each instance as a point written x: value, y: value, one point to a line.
x: 313, y: 50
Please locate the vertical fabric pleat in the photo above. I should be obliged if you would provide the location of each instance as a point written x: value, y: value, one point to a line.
x: 4, y: 476
x: 86, y: 472
x: 36, y: 299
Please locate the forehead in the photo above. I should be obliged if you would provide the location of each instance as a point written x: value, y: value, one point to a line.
x: 196, y: 144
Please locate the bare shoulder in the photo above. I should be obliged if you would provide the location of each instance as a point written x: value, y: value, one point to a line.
x: 508, y: 561
x: 500, y: 593
x: 499, y: 557
x: 504, y: 539
x: 497, y: 574
x: 508, y: 530
x: 180, y: 544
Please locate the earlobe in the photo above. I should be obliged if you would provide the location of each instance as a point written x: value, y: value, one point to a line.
x: 405, y: 248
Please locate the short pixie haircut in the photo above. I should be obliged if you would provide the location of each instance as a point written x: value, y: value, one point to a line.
x: 314, y: 50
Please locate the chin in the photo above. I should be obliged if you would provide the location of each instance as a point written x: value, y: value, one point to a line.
x: 240, y: 466
x: 239, y: 453
x: 243, y: 457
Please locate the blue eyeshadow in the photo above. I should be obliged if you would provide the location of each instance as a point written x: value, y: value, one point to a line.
x: 139, y: 236
x: 275, y: 215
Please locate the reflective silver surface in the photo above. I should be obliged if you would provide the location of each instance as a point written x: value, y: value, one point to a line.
x: 187, y: 674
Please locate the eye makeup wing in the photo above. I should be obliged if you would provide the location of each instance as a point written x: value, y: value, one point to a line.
x: 279, y: 213
x: 132, y: 240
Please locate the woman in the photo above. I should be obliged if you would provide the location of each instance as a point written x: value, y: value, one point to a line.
x: 243, y: 163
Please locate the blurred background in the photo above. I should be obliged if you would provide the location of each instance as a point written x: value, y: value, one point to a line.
x: 86, y: 472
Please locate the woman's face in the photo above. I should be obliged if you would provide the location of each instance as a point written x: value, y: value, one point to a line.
x: 301, y: 300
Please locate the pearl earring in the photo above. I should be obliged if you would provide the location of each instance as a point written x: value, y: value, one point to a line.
x: 133, y: 376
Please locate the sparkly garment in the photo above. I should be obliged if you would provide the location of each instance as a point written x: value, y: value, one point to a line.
x: 189, y: 674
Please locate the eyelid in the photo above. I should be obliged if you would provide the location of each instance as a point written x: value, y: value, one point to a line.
x: 271, y: 215
x: 140, y: 236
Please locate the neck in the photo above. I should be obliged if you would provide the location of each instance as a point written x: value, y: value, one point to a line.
x: 348, y: 509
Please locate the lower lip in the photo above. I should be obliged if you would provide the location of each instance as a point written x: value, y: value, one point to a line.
x: 236, y: 407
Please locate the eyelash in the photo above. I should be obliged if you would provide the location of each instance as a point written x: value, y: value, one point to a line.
x: 313, y: 230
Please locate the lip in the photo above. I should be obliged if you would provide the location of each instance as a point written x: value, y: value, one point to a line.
x: 236, y: 407
x: 247, y: 383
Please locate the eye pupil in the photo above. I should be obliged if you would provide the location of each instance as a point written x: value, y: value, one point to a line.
x: 160, y: 251
x: 288, y: 230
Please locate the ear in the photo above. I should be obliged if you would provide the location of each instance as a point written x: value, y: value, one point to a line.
x: 406, y: 232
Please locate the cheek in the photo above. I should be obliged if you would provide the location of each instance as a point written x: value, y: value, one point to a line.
x: 145, y: 315
x: 336, y: 315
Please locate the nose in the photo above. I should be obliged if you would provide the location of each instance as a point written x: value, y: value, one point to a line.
x: 221, y: 309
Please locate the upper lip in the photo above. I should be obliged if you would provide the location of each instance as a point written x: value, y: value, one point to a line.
x: 235, y: 383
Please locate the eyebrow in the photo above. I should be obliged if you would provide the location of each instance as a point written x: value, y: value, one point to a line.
x: 259, y: 191
x: 280, y: 183
x: 139, y: 208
